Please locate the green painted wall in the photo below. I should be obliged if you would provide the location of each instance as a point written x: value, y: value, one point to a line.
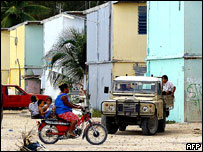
x: 174, y: 69
x: 33, y: 45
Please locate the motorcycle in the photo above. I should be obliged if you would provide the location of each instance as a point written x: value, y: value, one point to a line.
x: 53, y: 129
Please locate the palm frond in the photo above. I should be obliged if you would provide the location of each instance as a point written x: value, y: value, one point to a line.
x: 69, y: 56
x: 6, y: 22
x: 27, y: 17
x: 36, y: 9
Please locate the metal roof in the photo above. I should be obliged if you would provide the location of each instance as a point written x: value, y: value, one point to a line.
x: 4, y: 29
x: 96, y: 8
x: 115, y: 2
x: 24, y: 23
x: 64, y: 14
x: 79, y: 13
x: 137, y: 78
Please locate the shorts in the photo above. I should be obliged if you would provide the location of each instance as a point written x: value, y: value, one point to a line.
x: 69, y: 116
x: 164, y: 93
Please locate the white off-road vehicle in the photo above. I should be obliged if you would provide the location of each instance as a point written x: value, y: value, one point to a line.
x: 136, y: 100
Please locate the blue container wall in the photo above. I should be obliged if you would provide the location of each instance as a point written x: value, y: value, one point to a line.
x: 174, y: 69
x: 34, y: 45
x: 193, y: 28
x: 165, y: 48
x: 165, y: 29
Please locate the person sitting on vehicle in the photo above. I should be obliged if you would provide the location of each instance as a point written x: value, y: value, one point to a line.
x: 49, y: 108
x: 168, y: 87
x: 33, y: 108
x: 122, y: 87
x: 129, y: 87
x: 42, y: 113
x: 64, y: 108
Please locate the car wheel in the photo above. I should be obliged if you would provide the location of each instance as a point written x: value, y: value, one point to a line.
x: 149, y: 126
x: 162, y: 123
x: 108, y: 122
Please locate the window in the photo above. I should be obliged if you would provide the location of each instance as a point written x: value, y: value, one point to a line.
x: 14, y: 91
x: 142, y: 20
x: 159, y: 89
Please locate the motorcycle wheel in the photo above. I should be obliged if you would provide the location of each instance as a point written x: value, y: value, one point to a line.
x: 47, y: 138
x: 96, y: 134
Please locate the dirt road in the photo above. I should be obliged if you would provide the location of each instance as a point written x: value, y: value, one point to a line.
x: 174, y: 139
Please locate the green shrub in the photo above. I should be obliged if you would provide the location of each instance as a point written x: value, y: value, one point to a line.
x: 170, y: 122
x: 96, y: 113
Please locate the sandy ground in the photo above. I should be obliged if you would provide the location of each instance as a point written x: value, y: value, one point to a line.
x: 174, y: 139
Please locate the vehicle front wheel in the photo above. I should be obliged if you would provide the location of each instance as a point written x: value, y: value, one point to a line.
x: 108, y: 122
x: 149, y: 126
x: 162, y: 123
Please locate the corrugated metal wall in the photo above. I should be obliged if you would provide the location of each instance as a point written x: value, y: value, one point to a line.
x: 99, y: 51
x: 98, y: 35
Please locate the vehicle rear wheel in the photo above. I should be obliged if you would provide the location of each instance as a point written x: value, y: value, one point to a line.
x: 162, y: 123
x: 149, y: 126
x: 111, y: 127
x: 48, y: 134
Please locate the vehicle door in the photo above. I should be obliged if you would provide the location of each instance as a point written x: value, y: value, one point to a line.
x: 15, y: 97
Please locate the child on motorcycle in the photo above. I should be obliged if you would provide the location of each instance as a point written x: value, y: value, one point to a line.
x: 41, y: 104
x: 49, y: 108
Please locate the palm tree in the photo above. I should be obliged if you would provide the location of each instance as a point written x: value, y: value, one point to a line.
x: 68, y: 56
x: 15, y: 12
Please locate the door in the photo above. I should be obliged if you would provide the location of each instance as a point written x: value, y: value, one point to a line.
x: 33, y: 86
x: 15, y: 97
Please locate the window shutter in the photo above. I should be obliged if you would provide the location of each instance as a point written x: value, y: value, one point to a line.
x: 142, y: 20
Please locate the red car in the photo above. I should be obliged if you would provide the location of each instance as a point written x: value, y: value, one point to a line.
x: 15, y: 97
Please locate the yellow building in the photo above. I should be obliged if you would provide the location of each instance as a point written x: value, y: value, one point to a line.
x: 17, y: 55
x: 129, y: 44
x: 5, y: 55
x: 26, y: 52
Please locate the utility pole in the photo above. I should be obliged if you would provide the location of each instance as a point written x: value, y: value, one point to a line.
x: 97, y: 3
x: 89, y: 4
x: 85, y: 4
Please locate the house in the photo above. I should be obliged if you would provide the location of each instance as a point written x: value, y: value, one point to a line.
x: 5, y: 55
x: 26, y: 52
x: 116, y: 44
x: 175, y: 49
x: 53, y: 28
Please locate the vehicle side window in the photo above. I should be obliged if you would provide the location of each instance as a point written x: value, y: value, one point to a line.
x: 6, y: 90
x: 159, y: 89
x: 14, y: 91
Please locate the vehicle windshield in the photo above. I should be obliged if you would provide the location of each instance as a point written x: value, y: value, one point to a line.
x: 134, y: 87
